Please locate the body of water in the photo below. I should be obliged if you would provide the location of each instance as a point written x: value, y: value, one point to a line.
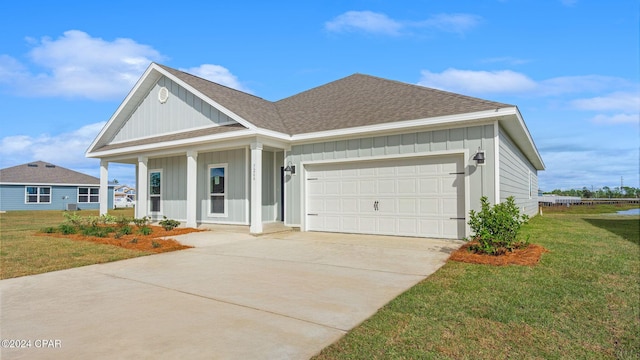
x: 629, y: 212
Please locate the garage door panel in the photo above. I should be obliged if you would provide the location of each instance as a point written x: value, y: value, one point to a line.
x: 429, y: 186
x: 412, y: 197
x: 407, y: 186
x: 408, y: 206
x: 367, y: 187
x: 349, y: 205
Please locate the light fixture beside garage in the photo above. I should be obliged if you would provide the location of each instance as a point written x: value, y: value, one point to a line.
x: 479, y: 157
x: 290, y: 168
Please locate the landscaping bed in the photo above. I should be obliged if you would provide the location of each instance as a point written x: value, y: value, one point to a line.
x: 157, y: 241
x: 527, y: 256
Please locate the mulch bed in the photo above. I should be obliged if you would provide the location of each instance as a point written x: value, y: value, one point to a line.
x: 141, y: 242
x: 528, y: 256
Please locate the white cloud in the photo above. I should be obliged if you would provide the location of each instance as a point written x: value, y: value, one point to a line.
x: 623, y: 101
x: 366, y: 21
x: 379, y: 23
x: 457, y: 23
x: 515, y: 83
x: 617, y: 119
x: 78, y: 65
x: 66, y: 148
x: 217, y: 74
x: 468, y: 81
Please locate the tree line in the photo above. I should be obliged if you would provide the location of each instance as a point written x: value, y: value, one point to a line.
x: 603, y: 192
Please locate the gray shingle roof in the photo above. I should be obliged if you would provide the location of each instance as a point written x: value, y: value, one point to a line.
x: 40, y: 172
x: 353, y: 101
x: 361, y: 100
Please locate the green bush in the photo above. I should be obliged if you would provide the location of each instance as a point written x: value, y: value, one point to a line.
x: 496, y: 228
x: 97, y: 231
x: 155, y: 244
x: 169, y: 224
x: 67, y: 229
x: 123, y: 221
x: 73, y: 218
x: 145, y: 230
x: 142, y: 222
x: 49, y: 230
x: 125, y: 230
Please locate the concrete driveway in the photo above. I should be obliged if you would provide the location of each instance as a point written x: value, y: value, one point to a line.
x: 234, y: 296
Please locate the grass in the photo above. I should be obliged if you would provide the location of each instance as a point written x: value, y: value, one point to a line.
x: 579, y: 302
x: 23, y: 253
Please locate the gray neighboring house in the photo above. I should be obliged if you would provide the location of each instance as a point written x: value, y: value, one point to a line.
x: 358, y: 155
x: 40, y: 185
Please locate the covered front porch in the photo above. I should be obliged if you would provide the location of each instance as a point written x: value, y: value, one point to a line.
x: 238, y: 182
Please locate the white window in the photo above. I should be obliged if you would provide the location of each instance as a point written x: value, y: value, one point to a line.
x: 218, y: 190
x: 37, y: 195
x: 88, y: 195
x: 155, y: 190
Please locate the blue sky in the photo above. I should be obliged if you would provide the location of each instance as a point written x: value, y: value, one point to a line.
x: 571, y: 66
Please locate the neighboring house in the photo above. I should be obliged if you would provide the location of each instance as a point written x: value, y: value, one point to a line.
x: 359, y: 155
x: 124, y: 191
x: 43, y: 186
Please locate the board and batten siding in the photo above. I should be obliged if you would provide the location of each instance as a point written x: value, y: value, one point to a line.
x: 472, y: 138
x: 236, y: 180
x: 183, y: 111
x: 173, y: 186
x: 12, y: 197
x: 518, y: 177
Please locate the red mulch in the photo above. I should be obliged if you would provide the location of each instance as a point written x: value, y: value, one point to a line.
x: 528, y: 256
x: 141, y: 242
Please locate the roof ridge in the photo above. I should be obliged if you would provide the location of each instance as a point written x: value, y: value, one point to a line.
x: 207, y: 80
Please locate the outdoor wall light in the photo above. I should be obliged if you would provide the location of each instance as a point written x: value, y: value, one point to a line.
x: 290, y: 168
x: 479, y: 157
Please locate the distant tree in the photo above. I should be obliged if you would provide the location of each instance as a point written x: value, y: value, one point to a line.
x: 115, y: 181
x: 586, y: 193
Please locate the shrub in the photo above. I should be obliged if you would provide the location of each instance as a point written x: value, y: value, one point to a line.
x: 155, y: 244
x: 169, y: 224
x: 145, y: 230
x: 496, y: 228
x: 107, y: 219
x: 123, y: 221
x: 73, y: 218
x: 67, y: 229
x: 49, y: 230
x: 125, y: 230
x: 142, y: 222
x: 97, y: 231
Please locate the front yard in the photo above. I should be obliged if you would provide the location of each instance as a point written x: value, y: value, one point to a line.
x: 580, y: 302
x: 24, y: 252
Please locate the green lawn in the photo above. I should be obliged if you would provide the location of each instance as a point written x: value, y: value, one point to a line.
x: 24, y: 253
x: 581, y: 302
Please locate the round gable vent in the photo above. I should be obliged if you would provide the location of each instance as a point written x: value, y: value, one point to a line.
x: 163, y: 95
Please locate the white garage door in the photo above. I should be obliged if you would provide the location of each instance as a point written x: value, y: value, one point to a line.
x: 411, y: 197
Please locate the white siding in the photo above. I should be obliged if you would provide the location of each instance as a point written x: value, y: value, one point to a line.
x: 236, y: 179
x: 518, y: 177
x: 182, y: 111
x: 174, y: 186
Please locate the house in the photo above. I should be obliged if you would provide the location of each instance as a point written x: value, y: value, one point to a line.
x: 359, y: 155
x: 43, y: 186
x: 124, y: 191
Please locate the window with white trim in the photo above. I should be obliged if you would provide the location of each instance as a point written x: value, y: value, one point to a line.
x: 88, y: 195
x: 155, y: 190
x: 37, y: 195
x: 218, y: 190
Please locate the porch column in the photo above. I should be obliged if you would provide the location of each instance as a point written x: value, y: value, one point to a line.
x: 256, y: 188
x: 104, y: 187
x: 192, y: 188
x: 143, y: 188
